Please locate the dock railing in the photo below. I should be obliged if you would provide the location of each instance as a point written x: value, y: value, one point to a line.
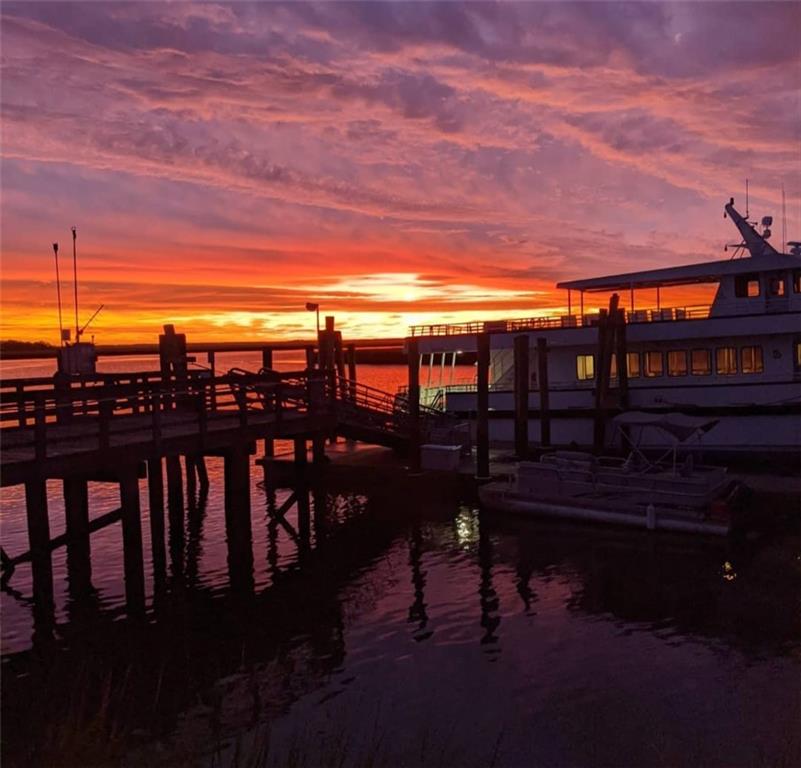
x: 667, y: 314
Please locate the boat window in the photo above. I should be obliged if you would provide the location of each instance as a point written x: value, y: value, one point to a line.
x: 585, y: 367
x: 797, y: 281
x: 677, y: 362
x: 653, y: 364
x: 633, y: 361
x: 776, y: 286
x: 725, y: 360
x: 751, y: 360
x: 700, y: 362
x: 746, y: 286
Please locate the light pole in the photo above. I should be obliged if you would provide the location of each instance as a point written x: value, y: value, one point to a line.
x: 315, y: 308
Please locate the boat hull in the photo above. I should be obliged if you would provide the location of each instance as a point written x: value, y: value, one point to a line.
x: 501, y: 497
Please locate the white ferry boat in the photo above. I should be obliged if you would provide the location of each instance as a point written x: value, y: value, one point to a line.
x: 737, y: 360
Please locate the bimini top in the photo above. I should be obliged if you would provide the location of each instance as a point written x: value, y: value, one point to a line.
x: 677, y: 424
x: 764, y: 257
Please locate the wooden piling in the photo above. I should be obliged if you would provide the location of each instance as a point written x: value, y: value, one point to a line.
x: 175, y: 491
x: 300, y: 453
x: 155, y: 494
x: 521, y: 385
x: 237, y: 518
x: 191, y: 480
x: 621, y: 354
x: 318, y: 449
x: 604, y: 356
x: 545, y: 404
x: 351, y: 362
x: 39, y: 542
x: 482, y: 406
x: 133, y: 562
x: 304, y: 519
x: 413, y: 362
x: 175, y: 507
x: 76, y: 509
x: 267, y: 358
x: 202, y: 473
x: 309, y: 357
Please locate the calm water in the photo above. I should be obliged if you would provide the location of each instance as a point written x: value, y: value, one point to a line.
x: 412, y: 630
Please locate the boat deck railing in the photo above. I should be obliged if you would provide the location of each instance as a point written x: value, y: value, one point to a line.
x: 664, y: 314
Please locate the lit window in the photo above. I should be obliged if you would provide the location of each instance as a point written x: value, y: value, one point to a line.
x: 776, y: 286
x: 726, y: 360
x: 677, y: 362
x: 700, y: 362
x: 797, y: 281
x: 653, y: 364
x: 746, y: 286
x: 585, y: 367
x: 613, y: 366
x: 751, y: 360
x: 633, y: 360
x: 797, y: 356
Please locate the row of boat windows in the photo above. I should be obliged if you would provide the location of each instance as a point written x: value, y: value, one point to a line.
x: 748, y: 286
x: 680, y: 362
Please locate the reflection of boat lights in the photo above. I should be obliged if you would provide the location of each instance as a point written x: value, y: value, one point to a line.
x: 466, y: 523
x: 728, y: 571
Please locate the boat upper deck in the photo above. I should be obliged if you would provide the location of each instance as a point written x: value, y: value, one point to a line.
x: 514, y: 325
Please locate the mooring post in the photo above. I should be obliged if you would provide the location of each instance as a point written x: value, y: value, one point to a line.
x: 267, y: 358
x: 76, y: 509
x: 191, y: 480
x: 155, y: 495
x: 309, y: 357
x: 521, y: 395
x: 545, y: 399
x: 482, y: 406
x: 413, y: 362
x: 237, y: 518
x: 39, y: 543
x: 133, y: 562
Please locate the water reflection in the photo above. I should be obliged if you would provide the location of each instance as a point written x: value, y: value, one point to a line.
x: 383, y: 602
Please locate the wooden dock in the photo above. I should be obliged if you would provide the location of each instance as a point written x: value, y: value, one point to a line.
x: 120, y: 428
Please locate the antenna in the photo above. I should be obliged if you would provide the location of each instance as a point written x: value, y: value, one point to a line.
x: 784, y: 220
x: 58, y: 289
x: 746, y: 205
x: 75, y: 280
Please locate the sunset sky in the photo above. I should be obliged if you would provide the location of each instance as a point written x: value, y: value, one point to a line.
x: 397, y: 163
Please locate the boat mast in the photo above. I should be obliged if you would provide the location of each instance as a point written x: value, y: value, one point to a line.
x: 756, y: 243
x: 75, y: 281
